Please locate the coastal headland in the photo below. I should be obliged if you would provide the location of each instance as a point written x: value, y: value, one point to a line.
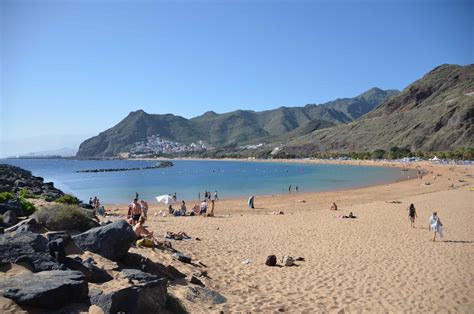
x: 374, y: 263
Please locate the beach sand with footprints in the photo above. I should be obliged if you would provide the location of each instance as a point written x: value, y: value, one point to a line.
x: 374, y: 263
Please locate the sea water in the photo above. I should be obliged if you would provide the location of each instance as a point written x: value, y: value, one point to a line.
x: 188, y: 178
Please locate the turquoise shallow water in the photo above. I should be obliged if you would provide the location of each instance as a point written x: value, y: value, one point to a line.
x: 187, y: 178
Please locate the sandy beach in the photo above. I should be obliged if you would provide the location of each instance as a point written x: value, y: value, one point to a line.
x: 374, y: 263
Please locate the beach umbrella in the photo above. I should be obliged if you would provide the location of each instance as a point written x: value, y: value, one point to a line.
x: 165, y: 199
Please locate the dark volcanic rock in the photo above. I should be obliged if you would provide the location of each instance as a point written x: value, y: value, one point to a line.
x: 135, y: 274
x: 13, y: 205
x: 10, y: 218
x: 147, y: 298
x: 13, y: 179
x: 87, y: 267
x: 47, y: 289
x: 27, y: 247
x: 136, y: 261
x: 30, y: 224
x: 112, y: 241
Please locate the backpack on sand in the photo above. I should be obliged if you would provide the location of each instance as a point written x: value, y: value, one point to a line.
x: 271, y: 260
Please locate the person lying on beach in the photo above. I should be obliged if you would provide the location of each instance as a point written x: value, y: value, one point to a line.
x: 177, y: 236
x: 141, y: 231
x: 351, y: 215
x: 333, y: 206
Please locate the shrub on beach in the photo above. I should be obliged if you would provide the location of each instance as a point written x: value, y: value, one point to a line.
x: 27, y: 207
x: 5, y: 196
x: 68, y: 199
x: 66, y: 217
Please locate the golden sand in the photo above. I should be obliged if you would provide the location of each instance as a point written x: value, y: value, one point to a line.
x: 374, y: 263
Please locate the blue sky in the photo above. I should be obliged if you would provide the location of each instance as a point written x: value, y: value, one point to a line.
x: 74, y: 68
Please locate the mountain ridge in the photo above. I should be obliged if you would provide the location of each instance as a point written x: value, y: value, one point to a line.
x: 239, y: 126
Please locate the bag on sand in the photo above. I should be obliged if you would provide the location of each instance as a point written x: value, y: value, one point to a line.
x: 271, y: 260
x: 288, y: 261
x: 146, y: 242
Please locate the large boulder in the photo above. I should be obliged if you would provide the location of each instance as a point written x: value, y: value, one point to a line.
x: 111, y: 241
x: 48, y: 289
x: 10, y: 218
x: 149, y: 297
x: 137, y: 261
x: 30, y: 224
x: 13, y: 205
x: 138, y: 275
x: 88, y: 267
x: 29, y: 248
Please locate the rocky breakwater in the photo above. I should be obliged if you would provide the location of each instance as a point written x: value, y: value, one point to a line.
x: 14, y: 179
x: 161, y: 164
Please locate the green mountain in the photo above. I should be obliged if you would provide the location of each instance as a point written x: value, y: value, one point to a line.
x: 238, y: 127
x: 432, y: 114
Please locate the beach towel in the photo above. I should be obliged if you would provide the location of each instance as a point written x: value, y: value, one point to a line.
x: 436, y: 225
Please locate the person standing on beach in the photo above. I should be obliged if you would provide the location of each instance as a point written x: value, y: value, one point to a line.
x: 412, y: 215
x: 144, y: 205
x: 289, y: 188
x: 136, y: 211
x: 296, y: 189
x: 251, y: 202
x: 215, y: 196
x: 136, y: 195
x: 435, y: 225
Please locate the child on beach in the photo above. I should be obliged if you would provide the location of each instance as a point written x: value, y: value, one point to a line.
x: 412, y: 215
x: 333, y: 206
x: 435, y: 225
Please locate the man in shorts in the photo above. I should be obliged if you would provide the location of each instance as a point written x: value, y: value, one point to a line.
x: 136, y: 211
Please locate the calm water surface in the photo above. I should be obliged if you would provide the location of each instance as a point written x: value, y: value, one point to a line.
x: 187, y: 178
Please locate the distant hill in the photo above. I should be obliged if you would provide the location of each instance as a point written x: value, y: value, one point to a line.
x: 434, y: 113
x: 237, y: 127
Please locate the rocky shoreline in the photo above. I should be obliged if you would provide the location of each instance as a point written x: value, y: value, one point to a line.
x: 100, y: 270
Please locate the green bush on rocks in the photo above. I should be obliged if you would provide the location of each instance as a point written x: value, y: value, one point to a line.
x: 68, y: 199
x: 66, y: 217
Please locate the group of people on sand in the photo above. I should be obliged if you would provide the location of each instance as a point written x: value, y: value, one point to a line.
x: 95, y: 204
x: 434, y: 223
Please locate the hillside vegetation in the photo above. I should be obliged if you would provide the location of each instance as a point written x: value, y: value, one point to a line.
x: 238, y: 127
x: 435, y: 113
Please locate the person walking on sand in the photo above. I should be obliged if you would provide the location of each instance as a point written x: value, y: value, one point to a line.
x: 215, y: 196
x: 251, y: 201
x: 412, y: 215
x: 435, y: 225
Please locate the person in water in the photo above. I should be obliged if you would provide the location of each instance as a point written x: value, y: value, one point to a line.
x: 412, y: 215
x: 435, y: 225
